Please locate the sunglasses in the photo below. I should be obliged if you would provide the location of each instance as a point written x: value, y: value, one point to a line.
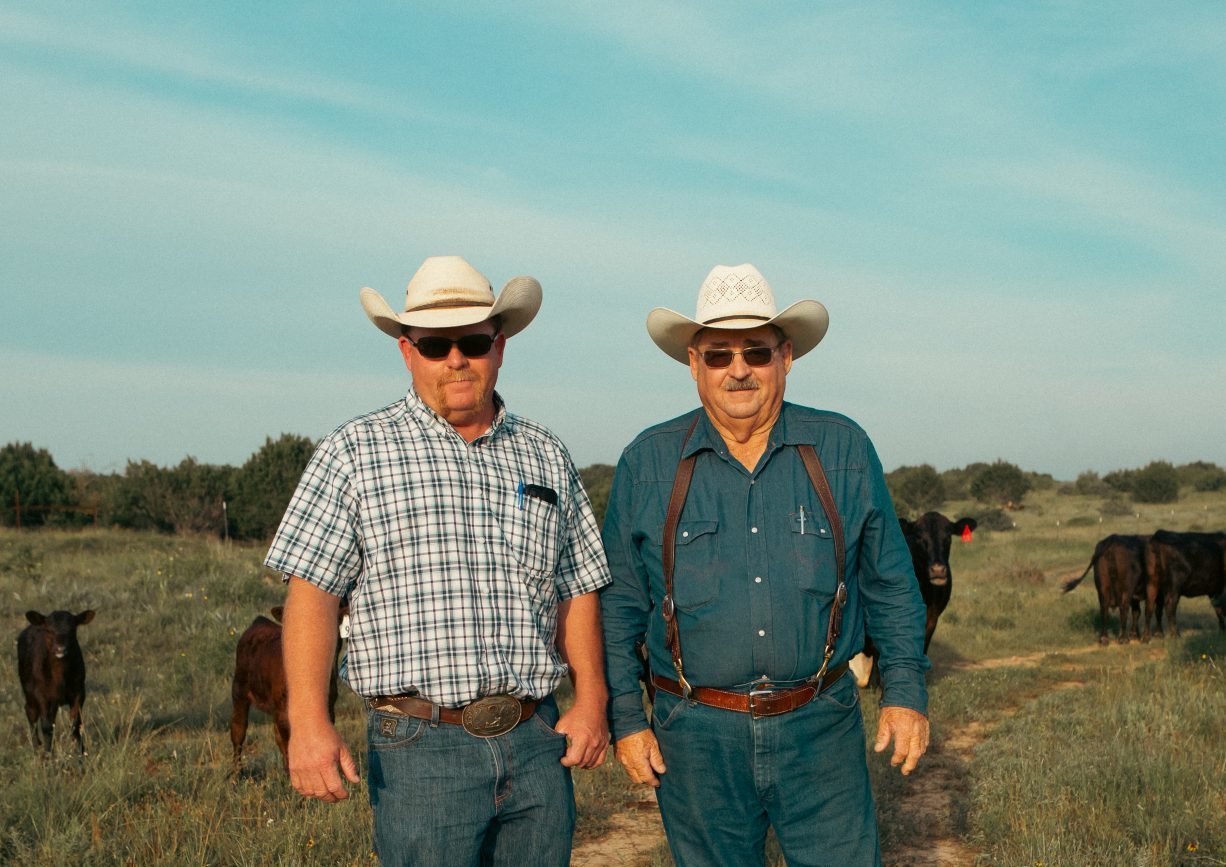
x: 470, y: 345
x: 755, y: 356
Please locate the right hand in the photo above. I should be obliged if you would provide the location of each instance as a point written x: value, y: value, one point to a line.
x: 314, y: 753
x: 639, y: 754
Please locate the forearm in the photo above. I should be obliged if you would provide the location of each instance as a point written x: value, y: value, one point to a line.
x: 309, y: 646
x: 580, y: 643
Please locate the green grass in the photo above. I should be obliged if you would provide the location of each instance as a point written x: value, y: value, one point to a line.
x: 1126, y: 769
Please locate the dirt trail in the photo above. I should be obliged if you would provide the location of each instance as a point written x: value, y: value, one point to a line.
x: 634, y: 836
x: 930, y: 801
x: 940, y: 782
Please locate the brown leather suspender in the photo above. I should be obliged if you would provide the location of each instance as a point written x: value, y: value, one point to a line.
x: 676, y: 502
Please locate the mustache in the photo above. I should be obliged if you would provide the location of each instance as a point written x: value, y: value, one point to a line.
x: 749, y: 384
x: 458, y: 376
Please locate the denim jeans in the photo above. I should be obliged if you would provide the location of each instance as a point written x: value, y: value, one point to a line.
x: 444, y: 797
x: 730, y: 777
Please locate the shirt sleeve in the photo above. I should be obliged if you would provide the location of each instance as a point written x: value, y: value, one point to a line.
x: 894, y: 609
x: 625, y: 606
x: 581, y: 564
x: 319, y: 538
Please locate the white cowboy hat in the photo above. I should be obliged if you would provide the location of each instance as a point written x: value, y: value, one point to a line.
x: 446, y: 291
x: 737, y: 297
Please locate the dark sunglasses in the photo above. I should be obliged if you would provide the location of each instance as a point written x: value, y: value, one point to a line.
x: 755, y: 356
x: 470, y: 345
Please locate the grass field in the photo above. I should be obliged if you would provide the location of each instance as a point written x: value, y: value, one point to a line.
x: 1112, y: 755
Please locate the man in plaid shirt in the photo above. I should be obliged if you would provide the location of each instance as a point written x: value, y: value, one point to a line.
x: 467, y: 548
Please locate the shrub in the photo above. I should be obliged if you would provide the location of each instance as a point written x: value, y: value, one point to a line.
x: 29, y: 475
x: 916, y: 490
x: 1001, y: 482
x: 1156, y: 483
x: 264, y: 484
x: 993, y: 519
x: 1120, y: 480
x: 1114, y: 506
x: 598, y: 481
x: 1201, y: 476
x: 1089, y: 484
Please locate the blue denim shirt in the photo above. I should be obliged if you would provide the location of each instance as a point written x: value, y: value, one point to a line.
x: 755, y: 571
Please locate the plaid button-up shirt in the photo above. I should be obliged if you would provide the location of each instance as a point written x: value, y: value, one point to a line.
x: 454, y: 555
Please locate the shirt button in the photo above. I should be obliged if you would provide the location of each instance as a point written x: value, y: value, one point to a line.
x: 761, y: 632
x: 685, y: 534
x: 753, y: 529
x: 757, y: 579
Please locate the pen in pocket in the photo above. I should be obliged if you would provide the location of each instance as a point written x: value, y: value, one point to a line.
x: 519, y: 495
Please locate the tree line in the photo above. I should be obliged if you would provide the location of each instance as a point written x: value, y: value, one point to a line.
x: 247, y: 502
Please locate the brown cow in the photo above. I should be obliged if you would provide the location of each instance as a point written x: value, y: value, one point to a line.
x: 1185, y: 564
x: 259, y: 679
x: 52, y: 672
x: 1118, y: 562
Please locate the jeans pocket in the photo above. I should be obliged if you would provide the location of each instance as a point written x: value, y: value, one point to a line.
x: 544, y: 726
x: 844, y: 693
x: 389, y: 731
x: 667, y: 710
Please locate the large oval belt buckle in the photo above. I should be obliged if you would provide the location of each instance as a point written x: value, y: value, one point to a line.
x: 491, y: 716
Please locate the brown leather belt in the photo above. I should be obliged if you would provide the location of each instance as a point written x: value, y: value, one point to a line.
x: 486, y: 717
x: 759, y: 702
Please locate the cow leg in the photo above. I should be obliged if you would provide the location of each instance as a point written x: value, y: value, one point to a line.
x: 33, y: 714
x: 47, y: 724
x: 74, y: 712
x: 281, y: 728
x: 1172, y: 604
x: 238, y: 725
x: 1220, y: 611
x: 1104, y: 614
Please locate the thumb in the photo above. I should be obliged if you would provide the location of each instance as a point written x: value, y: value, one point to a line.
x: 656, y: 758
x: 883, y: 736
x: 348, y: 765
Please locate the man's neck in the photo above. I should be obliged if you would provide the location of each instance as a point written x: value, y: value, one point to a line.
x: 746, y: 438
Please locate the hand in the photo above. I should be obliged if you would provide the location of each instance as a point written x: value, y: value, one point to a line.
x: 587, y: 736
x: 909, y: 728
x: 314, y: 753
x: 639, y: 754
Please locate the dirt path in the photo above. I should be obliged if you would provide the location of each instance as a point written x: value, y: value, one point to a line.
x: 634, y: 836
x: 931, y: 801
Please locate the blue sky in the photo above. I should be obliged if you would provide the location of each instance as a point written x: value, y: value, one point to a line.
x: 1015, y: 213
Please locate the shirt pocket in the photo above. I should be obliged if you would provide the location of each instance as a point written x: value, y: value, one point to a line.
x: 695, y: 576
x: 531, y: 528
x: 812, y: 543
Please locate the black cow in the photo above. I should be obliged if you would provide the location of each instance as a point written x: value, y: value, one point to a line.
x: 1185, y: 564
x: 1120, y: 573
x: 259, y: 679
x: 52, y: 672
x: 929, y: 540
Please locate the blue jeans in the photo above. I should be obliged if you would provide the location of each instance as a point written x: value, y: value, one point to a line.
x: 444, y: 797
x: 730, y: 777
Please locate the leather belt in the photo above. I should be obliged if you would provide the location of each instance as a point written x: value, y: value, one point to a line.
x: 758, y: 702
x: 486, y: 717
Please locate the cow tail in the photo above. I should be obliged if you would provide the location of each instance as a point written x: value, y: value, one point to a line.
x: 1070, y: 585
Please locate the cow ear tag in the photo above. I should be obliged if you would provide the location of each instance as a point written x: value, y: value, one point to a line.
x: 966, y: 534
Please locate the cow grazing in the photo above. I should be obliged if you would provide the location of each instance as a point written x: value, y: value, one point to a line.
x: 929, y: 540
x: 1120, y: 573
x: 259, y: 679
x: 1185, y: 564
x: 52, y: 672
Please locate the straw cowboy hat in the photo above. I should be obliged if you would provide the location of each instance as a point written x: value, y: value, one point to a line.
x: 446, y: 292
x: 737, y: 297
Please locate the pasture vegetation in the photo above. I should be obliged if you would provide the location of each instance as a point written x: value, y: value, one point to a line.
x: 1105, y: 756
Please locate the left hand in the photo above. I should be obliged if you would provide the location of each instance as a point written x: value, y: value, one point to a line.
x: 909, y: 728
x: 587, y: 736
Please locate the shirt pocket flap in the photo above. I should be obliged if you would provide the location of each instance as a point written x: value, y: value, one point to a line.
x: 688, y: 531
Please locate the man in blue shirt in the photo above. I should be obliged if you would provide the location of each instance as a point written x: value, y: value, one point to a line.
x: 777, y: 528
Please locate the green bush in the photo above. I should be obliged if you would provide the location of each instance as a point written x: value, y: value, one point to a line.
x: 598, y: 481
x: 264, y: 484
x: 993, y: 519
x: 1156, y: 483
x: 1090, y: 485
x: 916, y: 490
x: 1001, y: 483
x: 1120, y: 480
x: 1115, y: 506
x: 32, y: 483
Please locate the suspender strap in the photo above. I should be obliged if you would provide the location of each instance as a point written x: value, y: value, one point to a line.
x: 676, y: 502
x: 817, y: 476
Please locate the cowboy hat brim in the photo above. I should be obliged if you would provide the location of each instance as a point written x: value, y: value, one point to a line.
x: 517, y: 305
x: 803, y: 323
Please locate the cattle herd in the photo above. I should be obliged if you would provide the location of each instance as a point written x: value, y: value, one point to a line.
x: 1155, y: 571
x: 1129, y: 571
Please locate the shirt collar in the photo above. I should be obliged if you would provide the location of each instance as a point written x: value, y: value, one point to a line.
x: 420, y: 410
x: 705, y: 436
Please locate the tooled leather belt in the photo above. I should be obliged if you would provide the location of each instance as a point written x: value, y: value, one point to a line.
x: 758, y: 702
x: 486, y: 717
